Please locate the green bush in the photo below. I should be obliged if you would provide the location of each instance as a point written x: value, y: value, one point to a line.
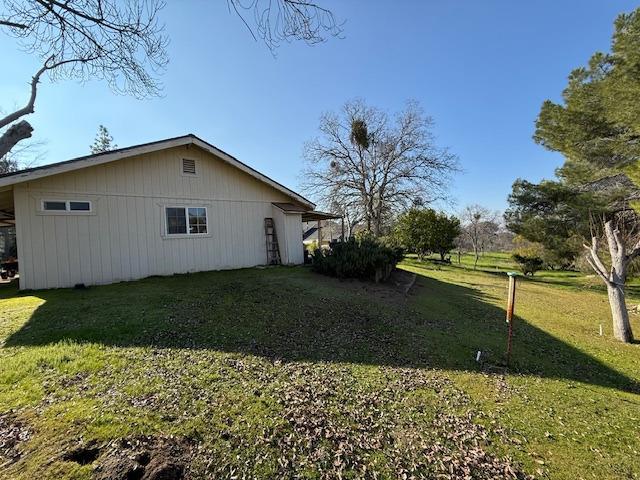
x: 528, y: 264
x: 425, y: 231
x: 364, y: 258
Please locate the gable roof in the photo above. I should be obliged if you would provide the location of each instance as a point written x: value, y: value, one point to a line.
x: 122, y: 153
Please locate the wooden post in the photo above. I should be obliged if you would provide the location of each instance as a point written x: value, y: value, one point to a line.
x: 342, y: 235
x: 511, y: 303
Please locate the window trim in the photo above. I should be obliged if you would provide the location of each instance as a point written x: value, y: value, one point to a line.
x: 67, y: 203
x: 186, y: 208
x: 195, y: 166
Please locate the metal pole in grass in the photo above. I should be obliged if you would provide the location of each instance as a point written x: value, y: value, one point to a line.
x: 511, y: 302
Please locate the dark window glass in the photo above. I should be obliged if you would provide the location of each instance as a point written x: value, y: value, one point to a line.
x: 176, y: 221
x: 79, y: 206
x: 197, y: 220
x: 59, y: 206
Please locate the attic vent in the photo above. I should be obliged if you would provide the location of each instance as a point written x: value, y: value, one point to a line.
x: 188, y: 166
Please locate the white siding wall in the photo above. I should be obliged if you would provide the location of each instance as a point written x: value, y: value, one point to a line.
x: 289, y: 232
x: 123, y: 238
x: 293, y: 230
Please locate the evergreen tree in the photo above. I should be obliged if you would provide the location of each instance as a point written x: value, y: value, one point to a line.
x: 103, y: 141
x: 597, y: 129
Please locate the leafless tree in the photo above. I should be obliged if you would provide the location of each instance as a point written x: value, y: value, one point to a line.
x: 479, y: 224
x: 379, y: 164
x: 123, y: 42
x: 622, y: 235
x: 350, y: 211
x: 286, y: 20
x: 24, y: 155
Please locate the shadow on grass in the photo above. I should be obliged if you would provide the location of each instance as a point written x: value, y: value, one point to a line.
x: 293, y: 314
x: 569, y: 279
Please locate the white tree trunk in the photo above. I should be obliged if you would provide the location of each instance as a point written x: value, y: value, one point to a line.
x: 615, y: 278
x: 619, y: 313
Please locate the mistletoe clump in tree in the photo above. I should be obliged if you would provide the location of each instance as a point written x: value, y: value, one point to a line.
x: 375, y: 165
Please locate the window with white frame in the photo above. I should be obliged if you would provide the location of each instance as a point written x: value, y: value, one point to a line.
x: 66, y: 206
x: 186, y: 220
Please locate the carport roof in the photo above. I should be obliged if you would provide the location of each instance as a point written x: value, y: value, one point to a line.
x: 315, y: 215
x: 289, y: 207
x: 307, y: 215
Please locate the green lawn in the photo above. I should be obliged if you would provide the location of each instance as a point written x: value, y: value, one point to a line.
x: 281, y: 373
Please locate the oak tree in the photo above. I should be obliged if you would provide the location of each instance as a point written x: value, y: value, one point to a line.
x: 379, y: 164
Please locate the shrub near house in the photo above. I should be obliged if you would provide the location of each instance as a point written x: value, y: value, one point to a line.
x: 365, y: 258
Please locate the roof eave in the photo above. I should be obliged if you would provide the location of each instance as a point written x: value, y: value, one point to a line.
x: 100, y: 159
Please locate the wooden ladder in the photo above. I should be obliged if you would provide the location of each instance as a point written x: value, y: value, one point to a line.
x: 273, y: 250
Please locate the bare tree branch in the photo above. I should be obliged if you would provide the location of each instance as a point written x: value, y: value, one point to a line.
x: 384, y: 166
x: 284, y: 20
x: 29, y: 107
x: 479, y: 224
x: 14, y: 134
x: 8, y: 23
x: 594, y: 260
x: 123, y: 43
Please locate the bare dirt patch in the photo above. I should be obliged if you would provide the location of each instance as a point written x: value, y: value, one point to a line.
x: 13, y: 432
x: 83, y: 454
x: 140, y: 458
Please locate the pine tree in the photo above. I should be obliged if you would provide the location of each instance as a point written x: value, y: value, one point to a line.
x: 103, y: 141
x: 597, y: 128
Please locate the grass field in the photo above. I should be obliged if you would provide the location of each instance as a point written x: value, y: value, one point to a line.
x: 280, y: 373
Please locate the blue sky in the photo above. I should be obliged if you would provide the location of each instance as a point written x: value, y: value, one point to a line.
x: 481, y: 69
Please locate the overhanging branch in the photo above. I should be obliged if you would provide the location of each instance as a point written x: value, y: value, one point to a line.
x: 9, y: 23
x: 29, y: 107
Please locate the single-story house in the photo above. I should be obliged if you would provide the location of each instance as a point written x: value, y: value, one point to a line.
x: 172, y: 206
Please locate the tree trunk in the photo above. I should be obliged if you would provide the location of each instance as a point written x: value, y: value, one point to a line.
x: 14, y: 134
x: 615, y: 278
x: 619, y: 313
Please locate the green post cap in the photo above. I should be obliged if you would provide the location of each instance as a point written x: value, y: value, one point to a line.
x: 512, y: 274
